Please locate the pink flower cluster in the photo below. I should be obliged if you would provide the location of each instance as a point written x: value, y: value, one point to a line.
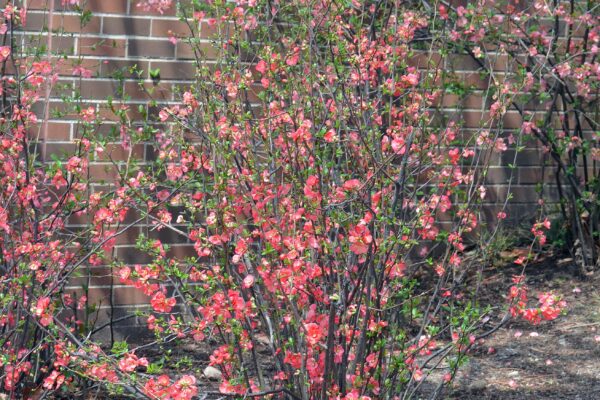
x: 157, y: 5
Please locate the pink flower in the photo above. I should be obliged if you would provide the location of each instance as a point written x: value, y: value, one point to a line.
x: 158, y: 388
x: 330, y: 136
x: 293, y: 359
x: 495, y: 109
x: 4, y: 220
x: 418, y: 375
x: 261, y: 67
x: 482, y: 191
x: 293, y: 59
x: 76, y: 164
x: 248, y: 281
x: 130, y: 362
x: 184, y: 389
x: 41, y: 306
x: 157, y: 5
x: 4, y: 53
x: 410, y: 79
x: 54, y: 380
x: 89, y: 114
x: 360, y: 239
x: 163, y: 115
x: 160, y: 302
x: 81, y: 71
x: 124, y: 274
x: 520, y: 260
x: 499, y: 145
x: 351, y: 184
x: 313, y: 333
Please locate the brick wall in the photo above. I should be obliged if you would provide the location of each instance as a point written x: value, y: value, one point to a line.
x: 119, y: 38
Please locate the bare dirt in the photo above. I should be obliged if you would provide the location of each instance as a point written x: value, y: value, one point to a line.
x: 559, y: 359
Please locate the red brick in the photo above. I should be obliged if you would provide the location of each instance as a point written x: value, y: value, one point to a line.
x: 107, y: 6
x: 169, y: 236
x: 54, y: 107
x: 121, y: 295
x: 116, y: 152
x: 131, y: 255
x: 208, y: 31
x: 173, y: 70
x: 56, y: 131
x: 38, y: 4
x: 499, y: 175
x: 106, y: 129
x: 62, y: 23
x: 103, y: 173
x: 533, y: 175
x: 471, y: 101
x: 62, y: 150
x: 102, y: 47
x: 205, y: 51
x: 65, y: 68
x: 132, y: 113
x: 524, y: 194
x: 476, y: 119
x: 148, y: 90
x: 182, y: 251
x: 168, y: 27
x: 126, y: 68
x: 151, y: 48
x: 99, y: 275
x: 60, y: 44
x: 43, y: 5
x: 135, y: 10
x: 94, y: 89
x: 526, y: 157
x: 125, y: 26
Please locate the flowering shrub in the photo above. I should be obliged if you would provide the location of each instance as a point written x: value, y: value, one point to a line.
x: 44, y: 338
x: 328, y: 199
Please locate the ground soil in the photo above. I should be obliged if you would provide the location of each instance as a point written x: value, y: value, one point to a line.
x: 553, y: 360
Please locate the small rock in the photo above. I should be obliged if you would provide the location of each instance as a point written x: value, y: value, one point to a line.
x: 564, y: 262
x: 212, y: 373
x: 506, y: 353
x: 478, y: 386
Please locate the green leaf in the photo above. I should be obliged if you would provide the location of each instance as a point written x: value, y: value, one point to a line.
x: 120, y: 348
